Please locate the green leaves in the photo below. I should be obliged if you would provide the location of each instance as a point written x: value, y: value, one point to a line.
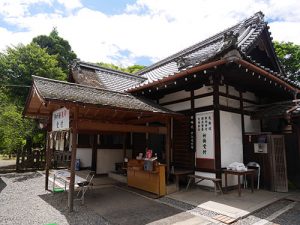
x: 46, y: 56
x: 13, y: 127
x: 289, y: 55
x: 19, y: 63
x: 130, y: 69
x: 57, y: 46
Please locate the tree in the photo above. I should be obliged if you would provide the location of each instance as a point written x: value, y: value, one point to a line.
x: 55, y: 45
x: 289, y: 55
x: 14, y: 128
x: 134, y: 68
x: 129, y: 69
x: 18, y: 64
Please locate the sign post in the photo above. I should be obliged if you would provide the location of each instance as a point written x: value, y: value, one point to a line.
x: 205, y: 135
x: 61, y: 119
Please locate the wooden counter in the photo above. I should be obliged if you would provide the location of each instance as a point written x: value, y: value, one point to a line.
x: 151, y: 181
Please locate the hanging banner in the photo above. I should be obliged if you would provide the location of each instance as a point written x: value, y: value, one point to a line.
x: 60, y: 119
x: 205, y: 148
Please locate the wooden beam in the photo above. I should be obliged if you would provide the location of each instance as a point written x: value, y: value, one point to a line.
x: 145, y: 120
x: 100, y: 126
x: 73, y: 158
x: 267, y: 74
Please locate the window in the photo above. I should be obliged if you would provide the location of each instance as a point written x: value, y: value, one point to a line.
x: 111, y: 141
x: 84, y: 141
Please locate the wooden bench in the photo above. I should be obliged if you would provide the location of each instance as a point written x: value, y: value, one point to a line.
x: 217, y: 182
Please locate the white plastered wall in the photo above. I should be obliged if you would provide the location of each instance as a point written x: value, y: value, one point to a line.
x: 250, y: 96
x: 251, y: 126
x: 203, y: 90
x: 179, y: 106
x: 85, y: 156
x: 231, y: 141
x: 233, y: 91
x: 106, y: 159
x: 229, y: 102
x: 175, y: 96
x: 205, y: 101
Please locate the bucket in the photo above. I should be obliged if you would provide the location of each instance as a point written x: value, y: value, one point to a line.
x: 77, y: 164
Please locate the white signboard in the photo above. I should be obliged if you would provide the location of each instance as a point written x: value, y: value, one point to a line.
x: 260, y: 148
x: 205, y: 135
x: 60, y: 119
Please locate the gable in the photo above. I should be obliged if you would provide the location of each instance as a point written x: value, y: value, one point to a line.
x: 262, y: 51
x: 250, y: 38
x: 99, y: 77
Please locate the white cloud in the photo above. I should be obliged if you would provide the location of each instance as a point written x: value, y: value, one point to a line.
x: 286, y: 31
x: 18, y: 8
x: 151, y: 28
x: 70, y: 4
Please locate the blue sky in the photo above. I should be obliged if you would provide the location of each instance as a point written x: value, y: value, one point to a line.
x: 127, y: 32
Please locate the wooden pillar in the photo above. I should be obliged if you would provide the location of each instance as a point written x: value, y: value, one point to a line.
x: 242, y: 122
x: 217, y: 127
x: 47, y: 160
x: 124, y: 146
x: 172, y: 144
x: 168, y: 145
x: 73, y: 159
x: 94, y: 152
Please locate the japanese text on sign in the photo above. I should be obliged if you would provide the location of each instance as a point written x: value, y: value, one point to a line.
x: 204, y: 135
x: 60, y: 119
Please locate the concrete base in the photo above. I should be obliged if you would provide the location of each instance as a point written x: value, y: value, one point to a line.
x: 118, y: 177
x: 126, y: 208
x: 228, y: 204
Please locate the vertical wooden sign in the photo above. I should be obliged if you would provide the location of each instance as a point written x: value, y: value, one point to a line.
x: 205, y: 135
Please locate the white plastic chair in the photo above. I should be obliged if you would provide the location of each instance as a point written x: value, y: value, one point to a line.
x: 256, y: 166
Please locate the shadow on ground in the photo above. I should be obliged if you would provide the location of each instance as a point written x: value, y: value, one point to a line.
x: 125, y: 207
x: 80, y: 215
x: 20, y: 177
x: 2, y: 185
x: 8, y: 169
x: 114, y: 205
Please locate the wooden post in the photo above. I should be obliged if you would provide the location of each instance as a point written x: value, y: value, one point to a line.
x: 124, y: 146
x: 94, y: 153
x: 242, y: 123
x: 73, y: 159
x: 217, y: 127
x: 18, y: 160
x: 168, y: 145
x: 47, y: 160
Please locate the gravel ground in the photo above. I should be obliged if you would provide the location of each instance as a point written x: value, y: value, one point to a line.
x: 292, y: 216
x: 266, y: 212
x: 23, y: 200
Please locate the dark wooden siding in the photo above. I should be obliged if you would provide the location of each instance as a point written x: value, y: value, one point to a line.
x: 183, y: 157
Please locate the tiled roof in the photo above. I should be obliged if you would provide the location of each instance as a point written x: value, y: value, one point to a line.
x: 64, y: 91
x: 241, y: 36
x: 97, y: 76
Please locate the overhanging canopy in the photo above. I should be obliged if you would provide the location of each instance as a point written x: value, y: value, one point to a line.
x: 98, y: 109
